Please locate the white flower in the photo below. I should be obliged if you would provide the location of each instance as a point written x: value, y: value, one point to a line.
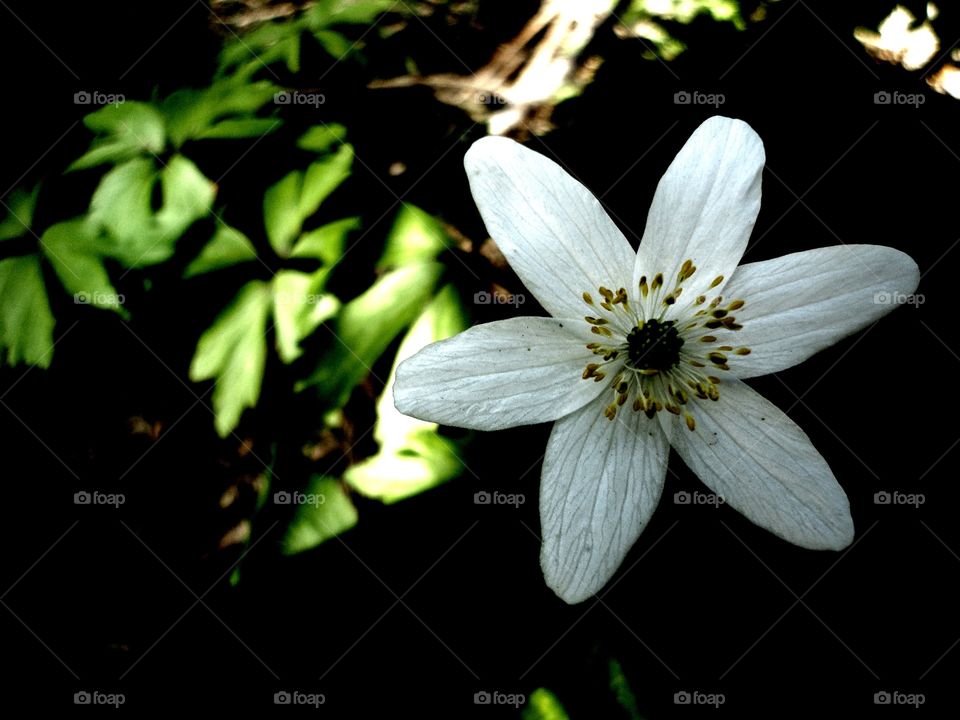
x: 648, y: 349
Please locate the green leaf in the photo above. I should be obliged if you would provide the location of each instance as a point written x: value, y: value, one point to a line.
x: 324, y: 510
x: 127, y: 130
x: 74, y: 251
x: 191, y: 113
x: 227, y: 247
x: 622, y: 692
x: 326, y: 13
x: 240, y: 128
x: 26, y: 323
x: 233, y: 352
x: 299, y: 306
x: 367, y: 325
x: 319, y: 138
x: 336, y: 44
x: 544, y: 705
x: 20, y: 206
x: 288, y: 203
x: 121, y: 206
x: 267, y: 44
x: 325, y: 243
x: 416, y: 236
x: 412, y: 456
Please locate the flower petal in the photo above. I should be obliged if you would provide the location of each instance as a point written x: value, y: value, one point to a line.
x: 601, y: 482
x: 799, y: 304
x: 749, y: 452
x: 498, y: 375
x: 552, y: 230
x: 704, y: 208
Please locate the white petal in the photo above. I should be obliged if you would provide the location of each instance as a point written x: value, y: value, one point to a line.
x: 498, y: 375
x: 552, y: 230
x: 704, y: 208
x: 749, y: 452
x: 799, y: 304
x: 601, y: 482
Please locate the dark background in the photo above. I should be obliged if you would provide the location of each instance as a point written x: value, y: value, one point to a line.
x: 433, y: 599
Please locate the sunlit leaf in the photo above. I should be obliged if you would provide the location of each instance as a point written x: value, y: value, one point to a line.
x: 26, y: 323
x: 323, y: 511
x: 75, y: 252
x: 126, y: 131
x: 367, y: 325
x: 412, y: 456
x: 325, y: 243
x: 416, y: 236
x: 20, y: 206
x: 288, y: 203
x: 233, y: 353
x: 227, y: 247
x: 121, y: 206
x: 320, y: 138
x: 299, y: 306
x: 191, y: 113
x: 544, y: 705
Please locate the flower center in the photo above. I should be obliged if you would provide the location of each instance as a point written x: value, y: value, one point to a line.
x: 654, y: 345
x: 657, y: 362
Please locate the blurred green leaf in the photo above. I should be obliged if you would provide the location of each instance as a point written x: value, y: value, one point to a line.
x: 416, y: 236
x: 299, y: 306
x: 327, y: 13
x: 319, y: 138
x: 26, y: 323
x: 288, y: 203
x: 336, y: 44
x: 227, y: 247
x: 325, y: 512
x: 367, y: 325
x: 544, y: 705
x: 240, y: 128
x: 233, y: 353
x: 74, y: 251
x: 621, y: 690
x: 191, y: 113
x: 262, y: 46
x: 127, y: 130
x: 325, y: 243
x: 20, y: 206
x: 412, y: 456
x: 121, y: 206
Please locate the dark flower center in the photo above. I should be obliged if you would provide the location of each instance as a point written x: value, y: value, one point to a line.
x: 654, y: 345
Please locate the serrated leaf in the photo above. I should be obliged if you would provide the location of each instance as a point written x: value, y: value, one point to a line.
x: 299, y: 306
x: 74, y: 251
x: 367, y: 325
x: 298, y: 195
x: 26, y: 323
x: 416, y: 236
x: 316, y: 521
x: 412, y: 456
x: 121, y: 206
x: 227, y: 247
x: 233, y: 353
x: 127, y: 130
x: 20, y: 206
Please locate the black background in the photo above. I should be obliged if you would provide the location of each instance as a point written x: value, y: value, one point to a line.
x: 705, y: 601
